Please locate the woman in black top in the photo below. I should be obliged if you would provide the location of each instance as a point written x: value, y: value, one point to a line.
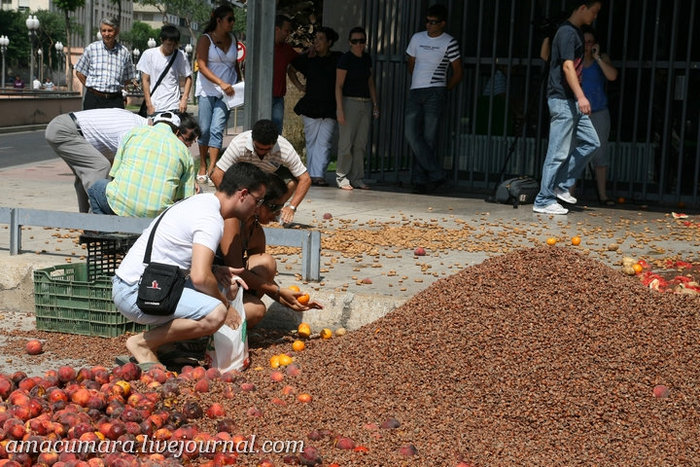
x: 356, y: 101
x: 317, y: 107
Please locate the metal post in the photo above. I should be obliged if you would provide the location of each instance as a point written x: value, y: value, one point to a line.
x: 260, y: 37
x: 31, y: 58
x: 3, y: 67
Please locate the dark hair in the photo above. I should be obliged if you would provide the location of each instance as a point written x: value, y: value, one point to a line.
x: 281, y: 19
x: 188, y: 122
x: 331, y: 35
x: 242, y: 175
x: 574, y: 5
x: 265, y: 132
x: 438, y: 11
x: 587, y: 29
x: 357, y: 30
x: 219, y: 12
x: 169, y: 33
x: 276, y: 187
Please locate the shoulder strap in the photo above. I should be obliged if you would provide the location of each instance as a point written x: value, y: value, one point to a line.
x: 149, y: 245
x: 176, y: 52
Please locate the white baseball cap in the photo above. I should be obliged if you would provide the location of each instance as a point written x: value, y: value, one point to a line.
x: 169, y: 117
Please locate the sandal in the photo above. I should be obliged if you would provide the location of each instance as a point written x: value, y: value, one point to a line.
x: 346, y: 187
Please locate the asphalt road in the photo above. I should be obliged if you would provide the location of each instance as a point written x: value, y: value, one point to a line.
x: 24, y: 148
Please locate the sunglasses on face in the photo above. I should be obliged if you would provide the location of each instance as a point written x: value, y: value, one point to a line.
x: 358, y: 41
x: 432, y: 22
x: 273, y: 207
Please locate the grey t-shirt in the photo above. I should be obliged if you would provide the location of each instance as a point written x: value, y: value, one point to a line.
x: 566, y: 45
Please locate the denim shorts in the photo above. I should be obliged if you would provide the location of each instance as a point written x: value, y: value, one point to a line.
x: 213, y: 117
x: 192, y: 305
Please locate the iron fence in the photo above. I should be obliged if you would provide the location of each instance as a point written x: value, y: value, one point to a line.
x: 654, y: 103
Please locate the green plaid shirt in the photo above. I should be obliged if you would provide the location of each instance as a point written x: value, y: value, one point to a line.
x: 152, y: 169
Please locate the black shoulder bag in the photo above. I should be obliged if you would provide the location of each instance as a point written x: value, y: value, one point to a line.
x: 143, y: 111
x: 161, y: 285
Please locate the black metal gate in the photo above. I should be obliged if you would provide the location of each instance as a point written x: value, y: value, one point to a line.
x: 654, y: 103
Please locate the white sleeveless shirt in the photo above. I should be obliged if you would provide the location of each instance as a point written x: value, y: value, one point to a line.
x: 222, y: 65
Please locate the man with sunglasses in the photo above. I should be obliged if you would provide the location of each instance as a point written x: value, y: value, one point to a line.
x: 264, y: 147
x: 430, y: 54
x: 153, y: 169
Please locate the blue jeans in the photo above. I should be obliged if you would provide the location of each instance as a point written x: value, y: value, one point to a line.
x: 319, y: 141
x: 278, y: 113
x: 564, y: 163
x: 213, y: 116
x: 97, y: 194
x: 423, y: 111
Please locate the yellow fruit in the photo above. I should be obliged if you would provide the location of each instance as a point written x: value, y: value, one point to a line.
x: 285, y: 359
x: 576, y: 240
x: 637, y: 268
x: 303, y: 299
x: 326, y: 333
x: 298, y: 346
x: 304, y: 330
x: 275, y: 361
x: 551, y: 240
x: 294, y: 288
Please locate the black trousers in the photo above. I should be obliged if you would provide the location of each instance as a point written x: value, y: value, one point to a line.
x: 93, y: 101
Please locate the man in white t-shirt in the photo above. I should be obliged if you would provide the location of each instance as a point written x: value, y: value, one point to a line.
x: 87, y: 141
x: 430, y: 54
x: 166, y: 97
x: 264, y: 147
x: 188, y: 237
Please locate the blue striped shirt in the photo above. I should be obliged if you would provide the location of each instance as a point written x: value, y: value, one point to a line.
x: 106, y: 70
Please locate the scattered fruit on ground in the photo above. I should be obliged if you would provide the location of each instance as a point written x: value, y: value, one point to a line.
x: 304, y: 397
x: 552, y: 241
x: 420, y: 251
x: 304, y: 330
x: 285, y: 359
x: 327, y: 215
x: 340, y: 332
x: 637, y: 268
x: 576, y: 241
x: 34, y: 347
x: 326, y: 333
x: 298, y: 345
x: 660, y: 391
x: 275, y: 361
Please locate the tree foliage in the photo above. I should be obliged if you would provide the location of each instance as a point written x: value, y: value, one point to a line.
x: 139, y: 35
x: 67, y: 7
x: 51, y: 30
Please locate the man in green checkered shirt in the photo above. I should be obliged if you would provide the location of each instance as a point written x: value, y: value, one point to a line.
x: 153, y: 168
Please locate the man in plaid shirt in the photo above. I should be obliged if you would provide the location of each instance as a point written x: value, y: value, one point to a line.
x: 104, y: 68
x: 153, y: 168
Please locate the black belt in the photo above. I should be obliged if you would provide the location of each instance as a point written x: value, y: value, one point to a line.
x: 106, y: 95
x: 77, y: 125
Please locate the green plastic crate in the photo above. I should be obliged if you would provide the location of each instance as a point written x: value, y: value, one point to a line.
x: 66, y: 301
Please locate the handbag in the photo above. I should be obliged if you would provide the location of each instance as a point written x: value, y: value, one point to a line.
x: 161, y: 285
x: 143, y: 110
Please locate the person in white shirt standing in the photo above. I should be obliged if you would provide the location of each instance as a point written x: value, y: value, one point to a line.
x: 430, y: 54
x: 167, y: 96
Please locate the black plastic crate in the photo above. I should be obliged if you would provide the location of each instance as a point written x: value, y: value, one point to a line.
x: 105, y: 252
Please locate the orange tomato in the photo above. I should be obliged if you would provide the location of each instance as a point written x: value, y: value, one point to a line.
x: 284, y: 359
x: 298, y: 346
x: 275, y: 361
x: 326, y: 333
x: 637, y: 268
x: 304, y: 330
x: 294, y: 288
x: 551, y: 241
x: 576, y: 240
x: 303, y: 299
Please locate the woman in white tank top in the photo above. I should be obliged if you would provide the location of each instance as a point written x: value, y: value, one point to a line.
x: 217, y: 53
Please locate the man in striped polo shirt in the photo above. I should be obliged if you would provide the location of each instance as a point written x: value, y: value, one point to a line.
x: 272, y: 153
x: 430, y: 54
x: 87, y: 141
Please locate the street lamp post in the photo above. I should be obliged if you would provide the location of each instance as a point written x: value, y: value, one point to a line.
x: 40, y: 64
x: 59, y: 53
x: 32, y: 25
x: 4, y: 42
x: 151, y: 42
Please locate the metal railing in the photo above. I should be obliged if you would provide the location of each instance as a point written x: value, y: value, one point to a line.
x: 308, y: 240
x: 654, y: 104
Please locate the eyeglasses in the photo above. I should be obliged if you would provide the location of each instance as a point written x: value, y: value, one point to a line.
x: 432, y: 22
x: 273, y: 207
x: 358, y: 41
x: 258, y: 201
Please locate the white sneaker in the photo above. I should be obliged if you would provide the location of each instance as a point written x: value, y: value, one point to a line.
x: 565, y: 196
x: 554, y: 208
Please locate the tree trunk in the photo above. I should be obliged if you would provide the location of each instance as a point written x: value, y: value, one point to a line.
x: 69, y: 64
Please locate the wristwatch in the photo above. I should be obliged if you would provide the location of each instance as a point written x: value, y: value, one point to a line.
x: 292, y: 207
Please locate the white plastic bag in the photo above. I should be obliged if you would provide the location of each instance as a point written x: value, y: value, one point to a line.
x: 228, y: 348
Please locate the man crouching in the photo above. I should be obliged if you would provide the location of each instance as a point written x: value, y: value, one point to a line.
x: 188, y: 236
